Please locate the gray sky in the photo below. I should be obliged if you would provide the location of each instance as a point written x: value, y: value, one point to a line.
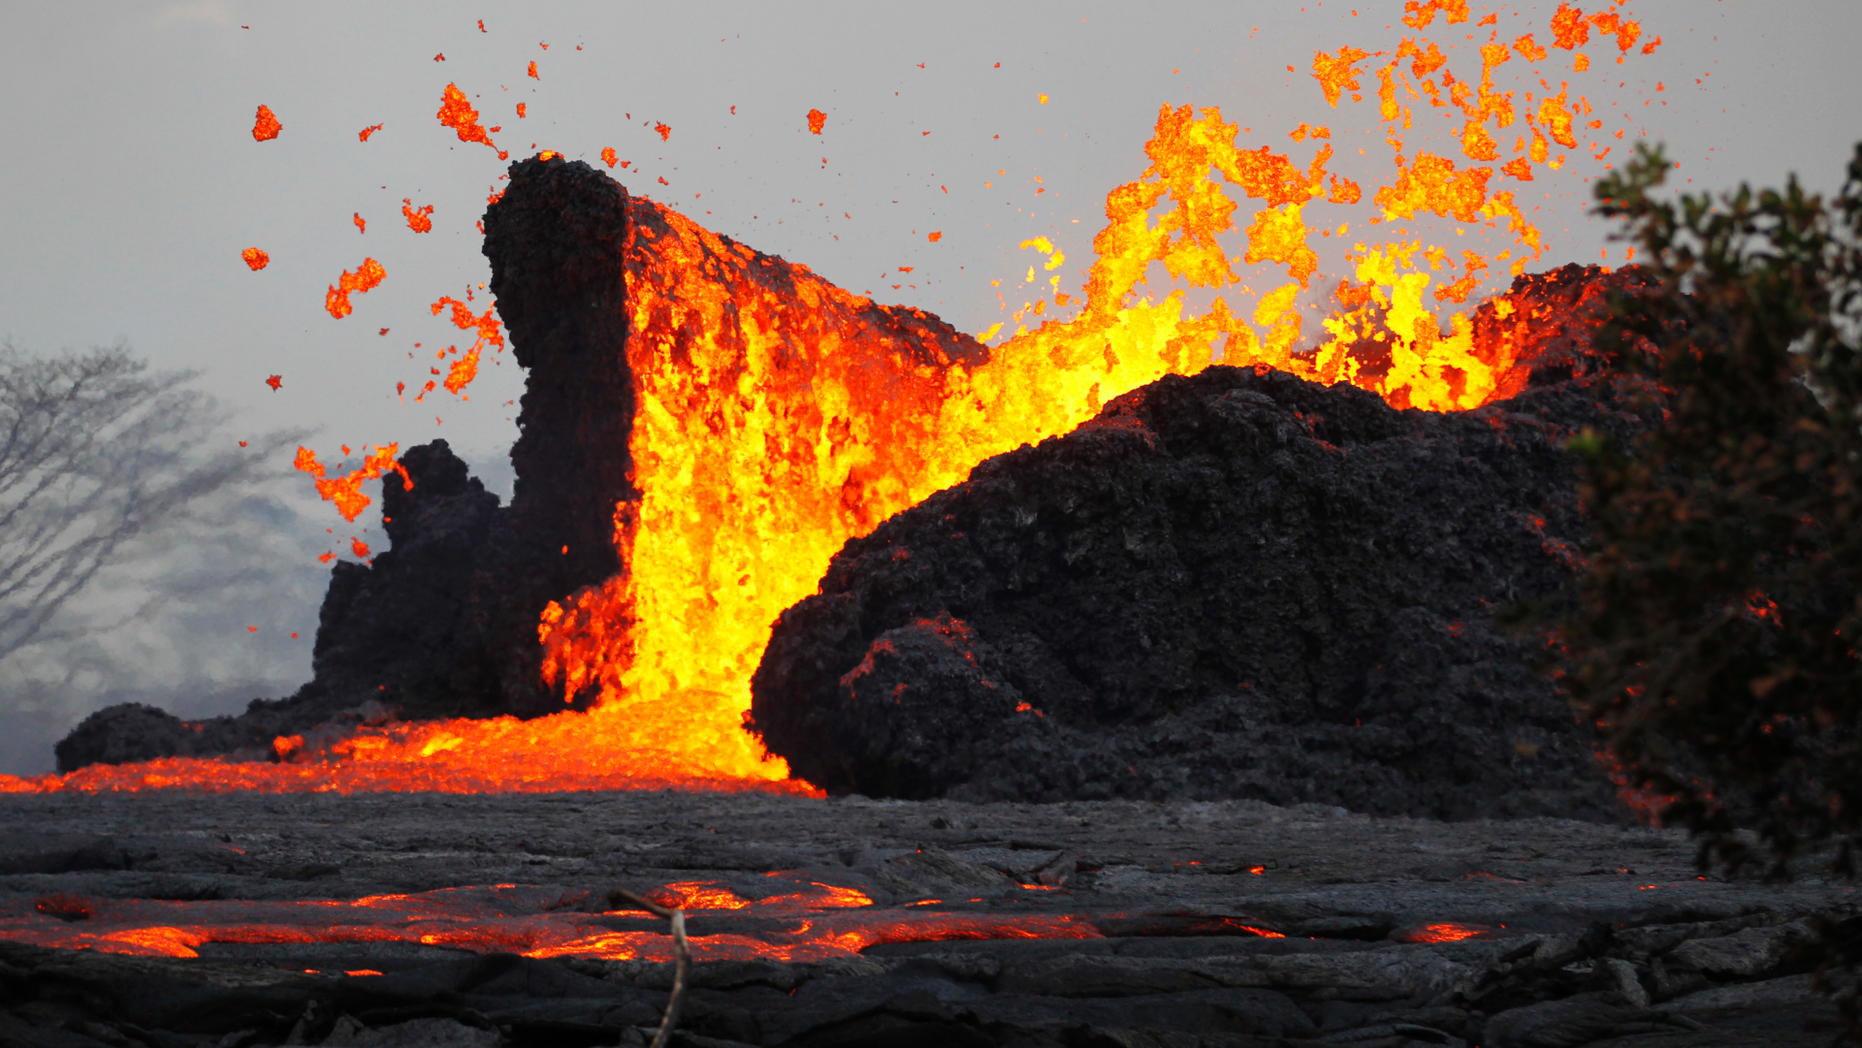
x: 133, y: 181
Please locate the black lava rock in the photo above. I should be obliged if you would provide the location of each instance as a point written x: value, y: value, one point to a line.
x: 421, y: 631
x: 444, y: 624
x: 134, y: 731
x: 1238, y: 584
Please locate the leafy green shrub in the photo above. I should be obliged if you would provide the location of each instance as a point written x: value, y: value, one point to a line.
x: 1716, y: 643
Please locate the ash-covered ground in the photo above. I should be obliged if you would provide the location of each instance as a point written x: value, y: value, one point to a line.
x: 1578, y: 933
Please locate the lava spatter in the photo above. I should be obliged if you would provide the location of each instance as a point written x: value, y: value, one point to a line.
x: 265, y: 126
x: 418, y: 219
x: 457, y: 113
x: 346, y: 491
x: 366, y: 277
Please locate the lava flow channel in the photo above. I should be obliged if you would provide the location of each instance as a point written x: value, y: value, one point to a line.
x: 812, y: 922
x: 779, y: 416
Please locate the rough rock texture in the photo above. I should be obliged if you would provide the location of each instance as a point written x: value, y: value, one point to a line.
x: 1576, y: 933
x: 134, y: 731
x: 554, y: 240
x: 1238, y: 584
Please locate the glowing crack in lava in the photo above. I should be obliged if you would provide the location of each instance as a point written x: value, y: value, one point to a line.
x: 799, y: 921
x: 779, y: 415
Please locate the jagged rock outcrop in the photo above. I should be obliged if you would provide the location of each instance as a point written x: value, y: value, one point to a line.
x: 445, y: 623
x: 1238, y: 584
x: 422, y: 631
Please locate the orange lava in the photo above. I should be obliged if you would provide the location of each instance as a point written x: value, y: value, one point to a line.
x: 812, y: 922
x: 266, y: 126
x: 609, y: 156
x: 1448, y: 931
x: 457, y: 113
x: 501, y: 755
x: 255, y: 259
x: 461, y: 372
x: 363, y: 135
x: 418, y: 219
x: 816, y: 121
x: 1417, y: 14
x: 346, y: 491
x: 367, y: 275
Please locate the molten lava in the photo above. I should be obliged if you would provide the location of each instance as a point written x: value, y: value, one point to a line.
x: 812, y: 922
x: 367, y: 276
x: 265, y: 126
x: 457, y: 113
x: 346, y: 491
x: 418, y: 219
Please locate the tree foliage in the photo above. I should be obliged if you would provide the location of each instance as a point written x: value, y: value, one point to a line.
x: 96, y: 450
x: 1716, y: 643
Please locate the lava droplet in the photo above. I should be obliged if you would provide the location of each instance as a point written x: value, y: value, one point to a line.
x: 266, y: 127
x: 366, y: 276
x: 417, y: 219
x: 255, y: 259
x: 816, y: 120
x: 275, y: 382
x: 457, y: 113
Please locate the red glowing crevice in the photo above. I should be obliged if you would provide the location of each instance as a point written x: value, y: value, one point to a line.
x: 814, y: 922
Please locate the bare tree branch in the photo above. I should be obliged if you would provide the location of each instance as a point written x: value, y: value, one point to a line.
x: 95, y: 450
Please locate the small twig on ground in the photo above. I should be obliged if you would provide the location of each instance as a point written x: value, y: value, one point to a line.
x: 682, y: 959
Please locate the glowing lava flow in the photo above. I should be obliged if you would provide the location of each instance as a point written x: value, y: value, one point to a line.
x: 809, y: 921
x: 779, y: 416
x: 767, y: 436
